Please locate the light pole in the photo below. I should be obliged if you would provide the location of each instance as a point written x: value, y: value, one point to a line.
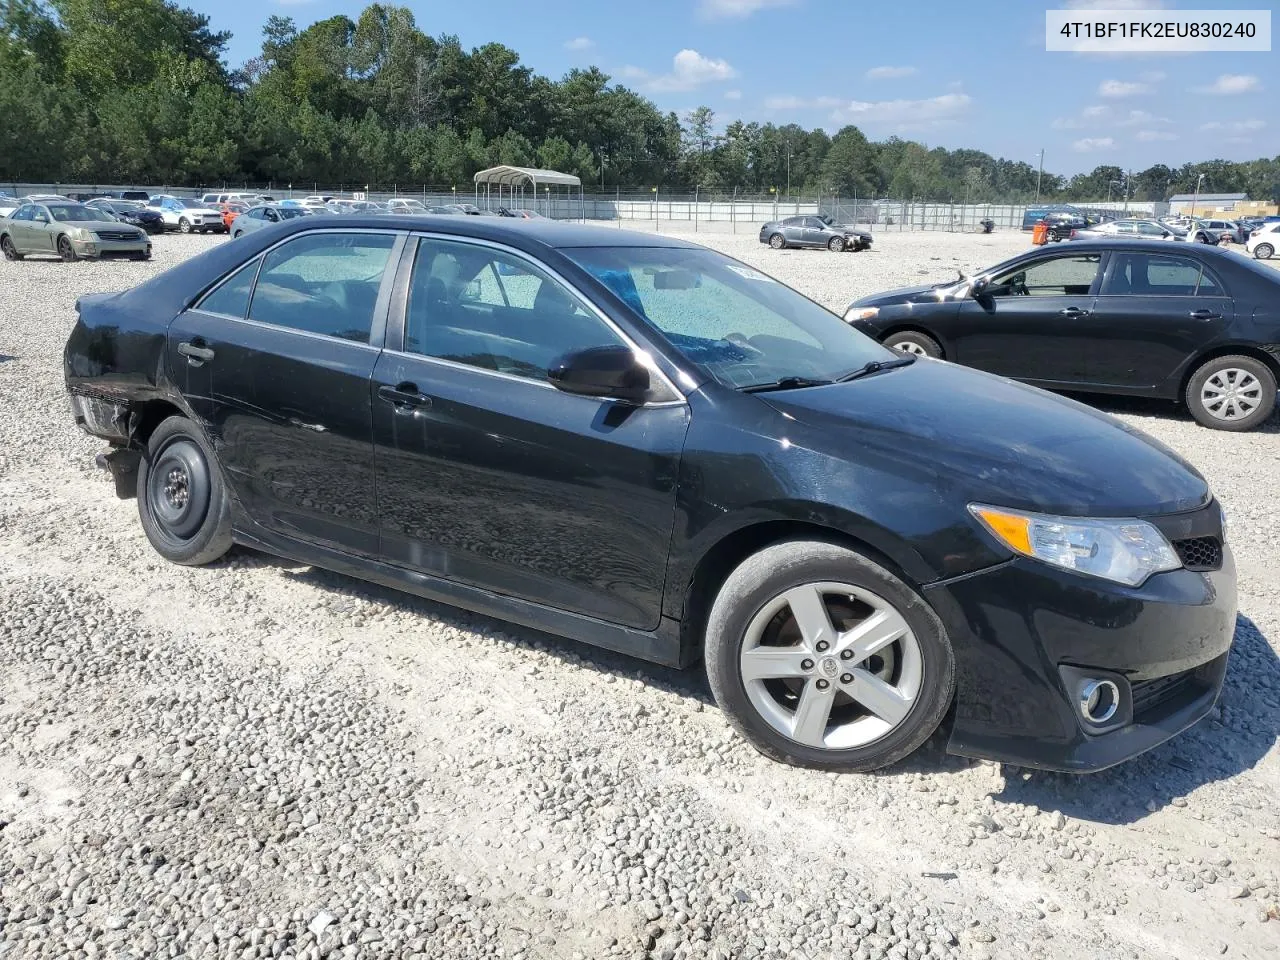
x: 1110, y: 184
x: 788, y: 168
x: 1195, y: 198
x: 1039, y: 174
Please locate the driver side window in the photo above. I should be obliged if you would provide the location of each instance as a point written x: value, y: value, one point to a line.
x: 1070, y: 276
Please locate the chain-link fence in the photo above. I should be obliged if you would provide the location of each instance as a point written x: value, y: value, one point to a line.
x: 733, y: 211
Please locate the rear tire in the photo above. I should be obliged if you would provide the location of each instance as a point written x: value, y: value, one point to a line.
x: 1263, y: 251
x: 912, y: 341
x: 9, y: 250
x: 777, y: 241
x: 182, y: 500
x: 1231, y: 393
x: 805, y: 700
x: 65, y: 250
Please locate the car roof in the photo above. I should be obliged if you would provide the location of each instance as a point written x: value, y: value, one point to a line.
x: 555, y: 234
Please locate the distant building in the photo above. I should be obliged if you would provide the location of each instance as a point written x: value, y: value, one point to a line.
x: 1205, y: 203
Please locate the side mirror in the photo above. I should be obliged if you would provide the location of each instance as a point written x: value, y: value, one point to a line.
x: 979, y: 286
x: 611, y: 372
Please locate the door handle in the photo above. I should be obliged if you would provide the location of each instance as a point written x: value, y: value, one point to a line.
x: 1073, y: 312
x: 1204, y: 315
x: 194, y: 352
x: 404, y: 396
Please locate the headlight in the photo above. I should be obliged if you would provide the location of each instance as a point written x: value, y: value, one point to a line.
x: 861, y: 313
x: 1125, y: 551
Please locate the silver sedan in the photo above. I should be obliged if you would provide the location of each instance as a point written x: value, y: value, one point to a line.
x: 69, y: 231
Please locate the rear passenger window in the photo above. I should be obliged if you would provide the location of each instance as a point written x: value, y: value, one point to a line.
x: 475, y: 305
x: 1159, y: 275
x: 231, y: 299
x: 325, y: 283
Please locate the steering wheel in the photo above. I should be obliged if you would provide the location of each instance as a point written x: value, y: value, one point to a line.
x: 1018, y: 285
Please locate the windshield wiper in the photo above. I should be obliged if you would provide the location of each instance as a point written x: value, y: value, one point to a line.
x: 785, y: 383
x: 875, y: 366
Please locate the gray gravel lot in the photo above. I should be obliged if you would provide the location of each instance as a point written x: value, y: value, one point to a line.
x: 261, y: 759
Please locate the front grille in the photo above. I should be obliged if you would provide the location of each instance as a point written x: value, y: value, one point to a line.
x: 1147, y: 694
x: 117, y: 235
x: 1200, y: 554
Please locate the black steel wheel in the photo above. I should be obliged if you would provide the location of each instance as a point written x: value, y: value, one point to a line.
x: 182, y: 500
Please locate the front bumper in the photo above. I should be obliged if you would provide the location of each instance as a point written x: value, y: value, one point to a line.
x: 110, y: 248
x: 1025, y: 633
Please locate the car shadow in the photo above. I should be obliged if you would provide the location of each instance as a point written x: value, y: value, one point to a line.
x: 1233, y: 738
x: 5, y: 357
x: 1159, y: 409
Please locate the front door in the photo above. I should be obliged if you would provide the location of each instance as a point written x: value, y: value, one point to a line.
x: 1024, y: 322
x: 278, y: 359
x: 40, y: 232
x: 1154, y: 310
x: 488, y: 475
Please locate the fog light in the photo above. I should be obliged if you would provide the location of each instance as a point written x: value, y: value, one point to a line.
x: 1099, y: 700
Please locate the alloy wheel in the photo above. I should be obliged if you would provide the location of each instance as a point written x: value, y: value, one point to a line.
x: 1264, y: 251
x: 776, y: 241
x: 910, y: 346
x: 1231, y: 394
x: 831, y: 665
x: 9, y: 250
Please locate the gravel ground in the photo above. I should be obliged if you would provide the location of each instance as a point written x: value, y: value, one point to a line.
x: 263, y: 759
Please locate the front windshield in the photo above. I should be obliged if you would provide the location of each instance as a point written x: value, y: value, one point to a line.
x: 192, y: 204
x: 72, y: 212
x: 288, y: 213
x: 739, y: 325
x: 827, y: 220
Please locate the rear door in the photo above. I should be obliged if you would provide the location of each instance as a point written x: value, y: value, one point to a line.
x: 20, y: 228
x: 278, y: 361
x: 1026, y: 322
x: 793, y: 230
x: 1153, y: 312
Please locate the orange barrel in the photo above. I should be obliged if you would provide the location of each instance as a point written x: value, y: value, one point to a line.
x: 1040, y: 233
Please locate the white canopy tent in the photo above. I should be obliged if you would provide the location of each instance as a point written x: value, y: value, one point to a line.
x: 513, y: 181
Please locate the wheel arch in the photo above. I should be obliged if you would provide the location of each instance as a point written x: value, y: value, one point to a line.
x: 905, y: 326
x: 1249, y: 350
x: 725, y: 554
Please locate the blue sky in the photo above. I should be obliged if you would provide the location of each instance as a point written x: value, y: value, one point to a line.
x: 971, y: 74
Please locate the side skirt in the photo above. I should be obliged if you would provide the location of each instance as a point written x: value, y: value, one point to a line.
x: 662, y: 646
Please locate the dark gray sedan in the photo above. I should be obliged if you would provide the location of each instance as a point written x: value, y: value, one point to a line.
x: 814, y: 231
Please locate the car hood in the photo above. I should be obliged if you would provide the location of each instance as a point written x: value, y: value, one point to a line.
x: 90, y: 224
x: 987, y: 439
x: 925, y: 293
x: 850, y: 228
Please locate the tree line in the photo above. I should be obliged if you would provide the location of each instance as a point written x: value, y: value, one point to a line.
x: 139, y: 91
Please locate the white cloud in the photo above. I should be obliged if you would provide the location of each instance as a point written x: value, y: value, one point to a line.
x: 1095, y: 111
x: 1230, y: 83
x: 904, y: 114
x: 801, y: 103
x: 579, y: 43
x: 1121, y: 88
x: 1150, y: 136
x: 1089, y: 144
x: 1114, y: 4
x: 1235, y: 126
x: 737, y: 9
x: 689, y: 70
x: 733, y: 94
x: 1141, y: 118
x: 890, y: 73
x: 1154, y: 76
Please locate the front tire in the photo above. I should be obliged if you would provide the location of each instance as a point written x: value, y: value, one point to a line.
x: 777, y: 241
x: 836, y: 244
x: 9, y: 250
x: 912, y: 341
x: 182, y: 499
x: 1232, y: 393
x: 822, y: 658
x: 1263, y: 251
x: 184, y: 225
x: 65, y: 250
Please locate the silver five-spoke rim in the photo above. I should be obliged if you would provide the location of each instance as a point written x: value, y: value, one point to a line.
x: 831, y: 665
x: 1231, y: 394
x: 910, y: 346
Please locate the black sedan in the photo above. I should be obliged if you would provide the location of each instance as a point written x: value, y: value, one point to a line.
x: 1188, y: 323
x: 132, y: 212
x: 640, y: 443
x: 815, y: 231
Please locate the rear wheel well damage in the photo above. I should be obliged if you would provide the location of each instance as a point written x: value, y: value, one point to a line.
x: 721, y: 560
